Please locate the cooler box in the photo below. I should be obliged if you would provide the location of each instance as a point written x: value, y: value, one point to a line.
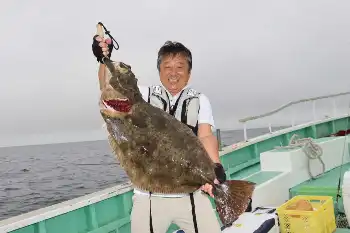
x: 261, y: 220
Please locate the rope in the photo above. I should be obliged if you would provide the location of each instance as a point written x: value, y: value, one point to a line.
x: 109, y: 34
x: 311, y: 150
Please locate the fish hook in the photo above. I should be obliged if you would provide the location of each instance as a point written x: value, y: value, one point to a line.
x: 109, y: 34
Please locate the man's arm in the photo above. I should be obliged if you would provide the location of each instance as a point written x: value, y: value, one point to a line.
x: 101, y: 76
x: 205, y: 124
x: 209, y: 141
x: 102, y: 47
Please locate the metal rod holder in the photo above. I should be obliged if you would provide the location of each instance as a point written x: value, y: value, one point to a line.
x: 314, y: 109
x: 245, y: 132
x: 218, y: 136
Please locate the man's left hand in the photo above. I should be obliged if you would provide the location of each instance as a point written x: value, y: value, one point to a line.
x: 221, y: 178
x: 220, y: 173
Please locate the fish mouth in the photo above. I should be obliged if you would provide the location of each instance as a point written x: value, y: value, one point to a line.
x: 120, y: 105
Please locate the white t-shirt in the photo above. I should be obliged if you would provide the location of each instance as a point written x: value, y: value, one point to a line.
x: 205, y: 115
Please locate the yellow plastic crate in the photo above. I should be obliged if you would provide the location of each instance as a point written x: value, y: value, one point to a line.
x: 320, y: 220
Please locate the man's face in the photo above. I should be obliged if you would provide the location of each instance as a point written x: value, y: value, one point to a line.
x: 174, y: 73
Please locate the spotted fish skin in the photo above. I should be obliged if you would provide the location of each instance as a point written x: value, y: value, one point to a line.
x: 159, y: 153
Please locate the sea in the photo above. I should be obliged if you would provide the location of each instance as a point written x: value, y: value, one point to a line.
x: 38, y: 176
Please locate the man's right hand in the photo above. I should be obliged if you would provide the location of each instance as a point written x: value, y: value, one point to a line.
x: 102, y: 47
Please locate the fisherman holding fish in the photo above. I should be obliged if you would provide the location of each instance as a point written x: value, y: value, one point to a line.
x: 192, y: 212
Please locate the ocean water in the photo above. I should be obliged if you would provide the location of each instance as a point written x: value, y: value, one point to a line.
x: 33, y: 177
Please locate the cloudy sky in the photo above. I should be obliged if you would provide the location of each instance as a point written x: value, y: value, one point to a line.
x: 248, y: 57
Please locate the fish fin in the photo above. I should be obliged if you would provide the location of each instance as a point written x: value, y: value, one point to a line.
x: 232, y: 199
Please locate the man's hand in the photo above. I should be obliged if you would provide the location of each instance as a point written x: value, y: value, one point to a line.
x: 220, y: 178
x: 208, y: 188
x: 102, y: 47
x: 220, y: 173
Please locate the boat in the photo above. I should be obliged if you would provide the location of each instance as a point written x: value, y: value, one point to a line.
x: 308, y: 161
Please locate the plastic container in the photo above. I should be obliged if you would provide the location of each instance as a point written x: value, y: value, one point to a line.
x: 258, y: 221
x: 321, y: 191
x: 320, y: 220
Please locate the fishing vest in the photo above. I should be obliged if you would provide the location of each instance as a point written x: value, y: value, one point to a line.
x: 185, y: 109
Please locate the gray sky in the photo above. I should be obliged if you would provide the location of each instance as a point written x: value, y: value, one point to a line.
x: 248, y: 57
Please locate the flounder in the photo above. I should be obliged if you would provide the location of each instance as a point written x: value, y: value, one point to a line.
x: 159, y: 153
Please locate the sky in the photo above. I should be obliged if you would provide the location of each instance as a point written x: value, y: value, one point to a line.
x: 249, y: 57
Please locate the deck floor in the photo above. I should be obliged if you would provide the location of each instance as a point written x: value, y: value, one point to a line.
x: 325, y: 185
x: 246, y: 172
x: 342, y: 230
x: 329, y: 179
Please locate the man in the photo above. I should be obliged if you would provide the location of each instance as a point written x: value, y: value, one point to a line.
x: 155, y: 212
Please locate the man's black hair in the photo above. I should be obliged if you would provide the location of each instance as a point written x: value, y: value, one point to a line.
x: 174, y: 48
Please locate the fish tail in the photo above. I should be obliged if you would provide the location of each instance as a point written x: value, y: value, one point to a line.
x: 232, y: 199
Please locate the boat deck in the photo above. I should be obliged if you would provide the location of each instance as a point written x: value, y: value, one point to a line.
x: 254, y: 174
x: 342, y: 230
x: 327, y: 180
x: 326, y: 184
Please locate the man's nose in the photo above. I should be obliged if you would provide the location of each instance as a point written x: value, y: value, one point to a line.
x: 172, y: 71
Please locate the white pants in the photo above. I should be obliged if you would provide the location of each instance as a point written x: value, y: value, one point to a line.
x: 177, y: 210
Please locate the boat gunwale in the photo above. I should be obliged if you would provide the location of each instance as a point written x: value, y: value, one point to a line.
x: 242, y: 144
x: 51, y: 211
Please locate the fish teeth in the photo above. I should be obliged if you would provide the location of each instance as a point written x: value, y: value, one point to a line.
x: 107, y: 106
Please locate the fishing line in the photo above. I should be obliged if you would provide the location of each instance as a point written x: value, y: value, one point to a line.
x: 342, y: 163
x: 110, y: 36
x: 341, y: 166
x: 91, y: 164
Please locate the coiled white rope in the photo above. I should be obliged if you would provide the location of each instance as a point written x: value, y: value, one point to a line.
x: 311, y: 150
